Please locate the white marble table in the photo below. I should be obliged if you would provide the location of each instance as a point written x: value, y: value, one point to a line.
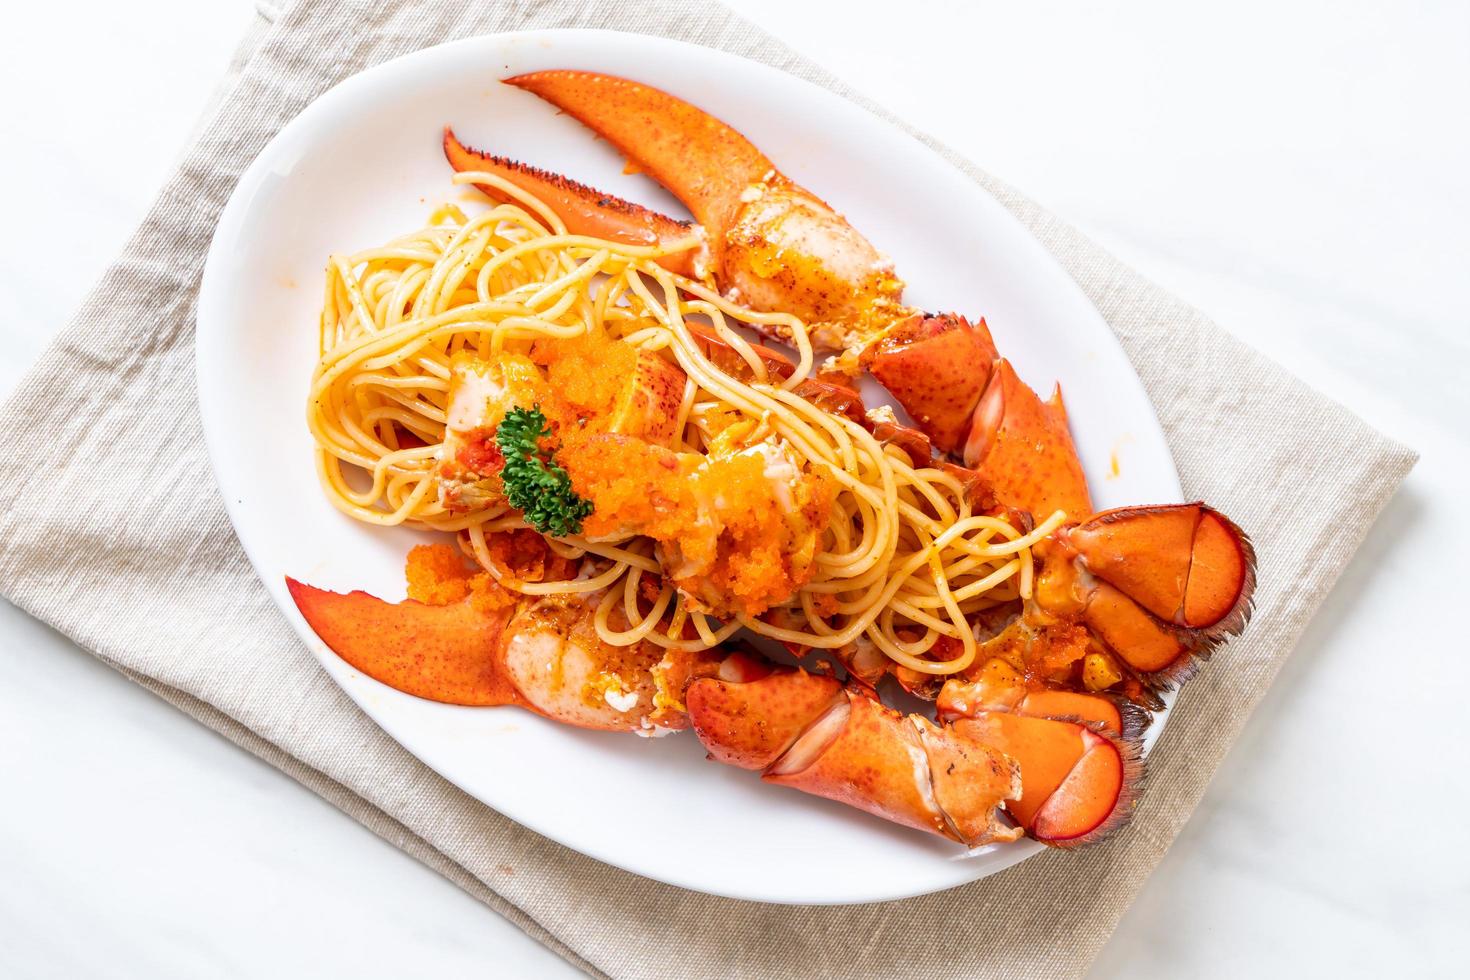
x: 1295, y: 169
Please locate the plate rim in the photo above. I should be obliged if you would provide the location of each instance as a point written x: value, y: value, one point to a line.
x: 228, y: 226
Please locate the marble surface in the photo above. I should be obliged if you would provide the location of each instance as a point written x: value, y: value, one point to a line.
x: 1296, y: 169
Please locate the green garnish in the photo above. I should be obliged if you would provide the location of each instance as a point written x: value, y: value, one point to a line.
x: 534, y: 484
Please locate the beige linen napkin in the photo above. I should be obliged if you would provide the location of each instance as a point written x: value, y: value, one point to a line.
x: 111, y: 530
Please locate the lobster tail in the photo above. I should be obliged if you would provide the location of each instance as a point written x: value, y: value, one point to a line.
x: 1171, y: 582
x: 1079, y: 754
x: 1078, y: 784
x: 1188, y: 565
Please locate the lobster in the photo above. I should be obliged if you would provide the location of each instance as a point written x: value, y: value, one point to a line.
x: 1040, y: 735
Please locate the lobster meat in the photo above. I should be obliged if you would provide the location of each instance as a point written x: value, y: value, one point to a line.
x: 1041, y: 733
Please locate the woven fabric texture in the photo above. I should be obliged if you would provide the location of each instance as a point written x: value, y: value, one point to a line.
x: 164, y: 593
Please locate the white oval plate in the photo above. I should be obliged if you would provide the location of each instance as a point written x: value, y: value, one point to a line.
x: 362, y: 164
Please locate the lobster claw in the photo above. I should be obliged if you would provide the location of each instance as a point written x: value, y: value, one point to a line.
x: 460, y: 653
x: 937, y: 368
x: 584, y: 210
x: 773, y: 245
x: 442, y: 653
x: 703, y: 162
x: 1022, y: 448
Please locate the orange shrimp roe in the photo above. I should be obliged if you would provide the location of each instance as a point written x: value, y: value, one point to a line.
x: 631, y: 483
x: 825, y: 604
x: 437, y: 576
x: 718, y: 513
x: 588, y: 372
x: 751, y: 565
x: 743, y: 554
x: 1065, y: 644
x: 650, y: 588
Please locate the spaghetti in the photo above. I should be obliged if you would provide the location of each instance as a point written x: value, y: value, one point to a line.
x: 901, y: 560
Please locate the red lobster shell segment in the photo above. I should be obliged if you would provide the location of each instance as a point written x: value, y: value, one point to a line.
x: 967, y: 399
x: 584, y: 210
x: 443, y: 653
x: 1079, y: 754
x: 703, y: 162
x: 1197, y: 567
x: 807, y: 732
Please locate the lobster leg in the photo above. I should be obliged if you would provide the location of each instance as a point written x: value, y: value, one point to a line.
x: 808, y: 732
x: 727, y: 359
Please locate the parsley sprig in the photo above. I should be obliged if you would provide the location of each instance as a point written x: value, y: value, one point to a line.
x: 534, y: 483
